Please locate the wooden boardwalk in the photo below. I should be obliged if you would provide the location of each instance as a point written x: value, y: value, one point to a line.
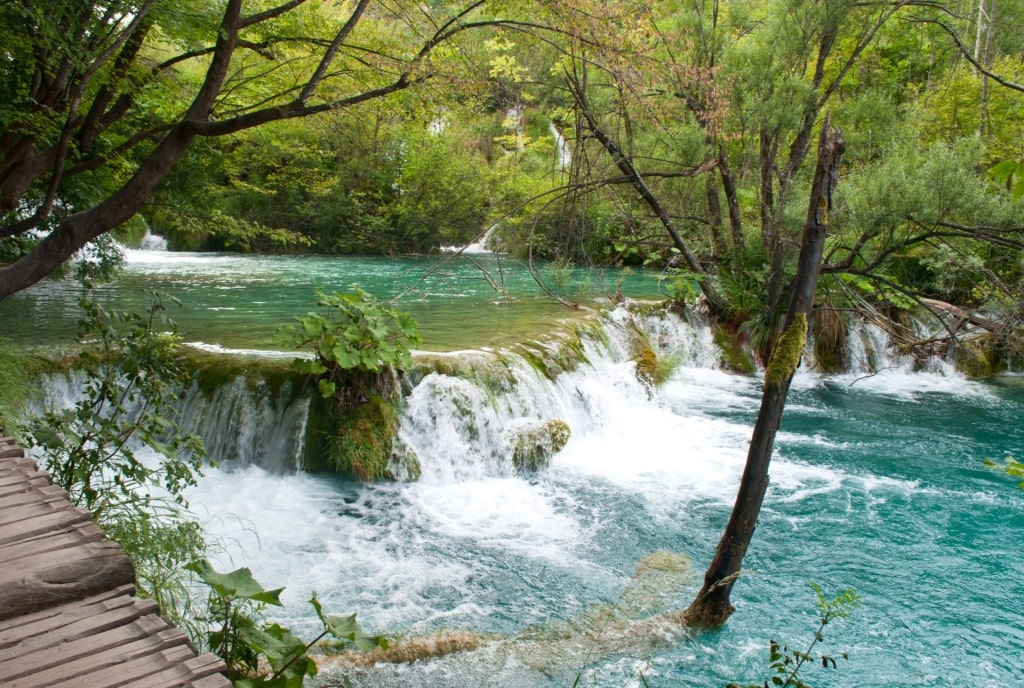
x: 68, y: 611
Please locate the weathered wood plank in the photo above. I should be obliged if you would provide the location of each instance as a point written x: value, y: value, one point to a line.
x: 109, y: 668
x: 198, y: 672
x: 41, y: 507
x: 60, y: 583
x: 24, y: 660
x: 42, y: 524
x: 44, y: 494
x: 50, y: 627
x: 78, y: 534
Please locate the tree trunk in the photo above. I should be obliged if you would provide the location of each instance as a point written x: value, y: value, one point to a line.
x: 712, y: 607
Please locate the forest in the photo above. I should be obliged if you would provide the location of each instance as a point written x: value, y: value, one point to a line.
x: 790, y: 168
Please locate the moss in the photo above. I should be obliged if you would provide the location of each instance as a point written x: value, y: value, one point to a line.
x: 563, y: 355
x: 786, y: 357
x: 361, y: 441
x: 830, y: 333
x: 534, y: 445
x: 212, y: 370
x: 734, y: 356
x: 18, y: 387
x: 404, y: 464
x: 657, y: 584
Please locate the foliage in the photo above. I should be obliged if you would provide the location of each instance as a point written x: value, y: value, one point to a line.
x: 785, y: 663
x: 355, y: 342
x: 95, y: 449
x: 242, y: 641
x: 132, y: 383
x: 17, y: 388
x: 1009, y: 173
x: 1011, y: 466
x: 361, y: 443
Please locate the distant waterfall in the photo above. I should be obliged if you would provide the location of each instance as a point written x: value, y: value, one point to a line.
x: 152, y: 242
x: 561, y: 148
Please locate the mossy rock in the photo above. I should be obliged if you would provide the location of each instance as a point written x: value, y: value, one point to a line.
x: 354, y: 441
x: 404, y: 464
x: 647, y: 367
x: 534, y: 442
x: 734, y: 356
x: 212, y: 370
x: 981, y: 357
x: 830, y: 333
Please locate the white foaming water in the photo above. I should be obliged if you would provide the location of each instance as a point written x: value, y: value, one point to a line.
x: 561, y: 147
x: 479, y: 247
x: 153, y: 242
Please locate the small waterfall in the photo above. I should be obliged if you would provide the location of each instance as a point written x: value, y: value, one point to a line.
x: 482, y: 245
x: 561, y: 147
x: 152, y: 242
x: 247, y: 422
x: 465, y: 426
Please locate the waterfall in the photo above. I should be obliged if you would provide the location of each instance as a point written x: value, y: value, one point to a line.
x: 561, y: 147
x: 248, y: 422
x: 481, y: 245
x: 476, y: 415
x: 152, y: 242
x: 465, y: 425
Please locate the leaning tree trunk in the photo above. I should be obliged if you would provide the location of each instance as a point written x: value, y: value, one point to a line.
x: 712, y: 607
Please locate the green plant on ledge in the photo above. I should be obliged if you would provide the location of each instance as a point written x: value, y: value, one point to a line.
x: 359, y: 347
x: 356, y: 342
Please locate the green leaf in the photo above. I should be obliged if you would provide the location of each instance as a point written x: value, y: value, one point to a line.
x: 327, y: 388
x: 239, y: 584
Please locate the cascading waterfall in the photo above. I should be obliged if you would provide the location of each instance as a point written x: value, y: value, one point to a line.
x: 152, y: 242
x: 244, y: 422
x: 540, y: 564
x: 466, y: 426
x: 561, y: 147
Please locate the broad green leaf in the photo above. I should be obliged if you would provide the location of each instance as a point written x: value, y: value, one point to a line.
x: 239, y: 584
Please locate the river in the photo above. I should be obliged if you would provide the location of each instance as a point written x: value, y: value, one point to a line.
x: 877, y: 484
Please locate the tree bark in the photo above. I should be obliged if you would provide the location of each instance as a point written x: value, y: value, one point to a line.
x: 712, y: 607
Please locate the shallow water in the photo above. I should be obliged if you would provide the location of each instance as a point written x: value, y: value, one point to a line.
x: 876, y: 486
x: 238, y: 301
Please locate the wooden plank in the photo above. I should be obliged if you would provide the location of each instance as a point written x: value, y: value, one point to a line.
x: 78, y: 534
x: 40, y: 507
x: 28, y: 484
x: 24, y: 660
x: 43, y: 494
x: 198, y: 672
x: 97, y: 613
x: 42, y: 524
x: 109, y: 668
x: 62, y: 583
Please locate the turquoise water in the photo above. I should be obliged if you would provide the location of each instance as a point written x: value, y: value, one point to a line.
x: 877, y: 485
x: 238, y: 301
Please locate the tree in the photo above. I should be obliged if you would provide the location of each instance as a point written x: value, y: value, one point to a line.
x: 98, y: 114
x: 712, y: 607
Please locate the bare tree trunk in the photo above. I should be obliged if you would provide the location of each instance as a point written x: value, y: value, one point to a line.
x: 712, y: 607
x: 715, y: 215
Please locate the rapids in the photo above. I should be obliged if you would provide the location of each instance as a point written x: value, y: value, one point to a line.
x: 877, y: 485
